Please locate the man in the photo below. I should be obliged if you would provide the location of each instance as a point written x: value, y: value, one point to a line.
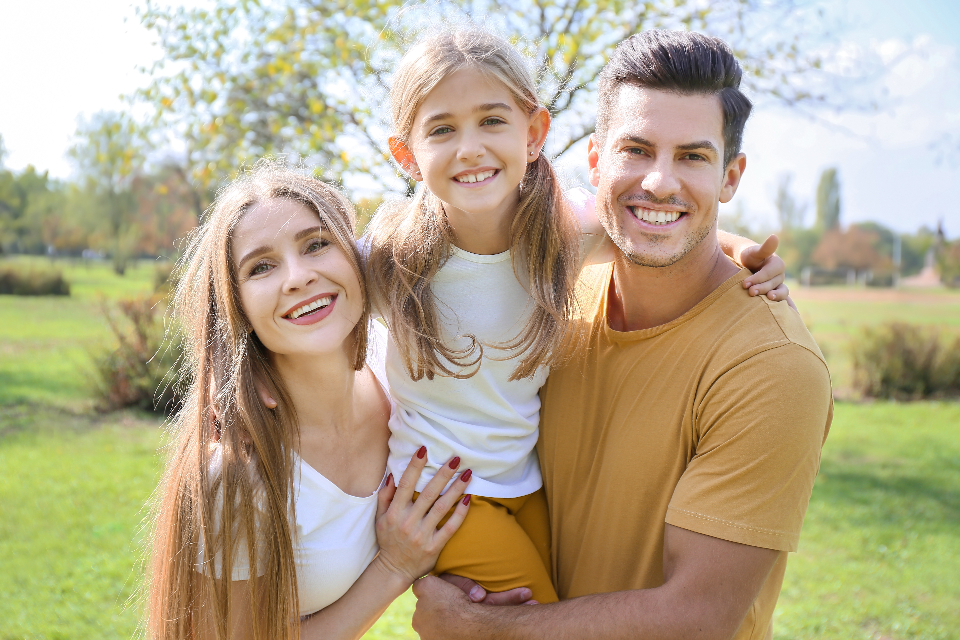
x: 680, y: 445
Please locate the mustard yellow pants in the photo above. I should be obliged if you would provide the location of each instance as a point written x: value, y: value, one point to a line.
x: 502, y: 544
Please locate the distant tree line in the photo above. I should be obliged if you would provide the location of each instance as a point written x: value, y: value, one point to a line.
x: 308, y: 80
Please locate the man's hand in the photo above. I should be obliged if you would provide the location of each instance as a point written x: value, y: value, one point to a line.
x: 476, y: 593
x: 443, y: 611
x: 768, y: 271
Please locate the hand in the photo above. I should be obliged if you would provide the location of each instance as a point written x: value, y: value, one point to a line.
x: 477, y: 594
x: 768, y: 270
x: 407, y: 530
x: 443, y: 610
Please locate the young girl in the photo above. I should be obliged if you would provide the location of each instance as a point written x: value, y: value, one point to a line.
x: 475, y: 279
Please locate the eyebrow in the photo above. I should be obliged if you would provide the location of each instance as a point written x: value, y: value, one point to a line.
x: 690, y: 146
x: 259, y: 251
x: 488, y: 106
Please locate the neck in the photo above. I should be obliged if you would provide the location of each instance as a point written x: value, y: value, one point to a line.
x: 321, y: 388
x: 484, y: 234
x: 645, y: 297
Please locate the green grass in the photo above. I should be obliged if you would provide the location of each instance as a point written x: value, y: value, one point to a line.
x: 878, y: 554
x: 880, y: 549
x: 46, y: 341
x: 834, y: 315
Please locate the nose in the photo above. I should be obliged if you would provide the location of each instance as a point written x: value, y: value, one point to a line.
x: 299, y: 275
x: 471, y: 146
x: 661, y: 181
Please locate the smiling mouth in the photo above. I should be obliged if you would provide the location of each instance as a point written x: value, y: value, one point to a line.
x: 311, y: 308
x: 656, y: 217
x: 476, y: 177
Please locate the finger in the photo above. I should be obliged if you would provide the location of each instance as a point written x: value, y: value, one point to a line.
x: 385, y: 496
x: 754, y: 256
x: 763, y: 288
x: 450, y: 527
x: 520, y: 595
x: 448, y: 500
x: 264, y: 394
x: 408, y: 480
x: 794, y: 306
x: 782, y: 292
x: 431, y: 492
x: 773, y: 267
x: 474, y: 591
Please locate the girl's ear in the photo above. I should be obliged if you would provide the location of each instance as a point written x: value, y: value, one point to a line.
x: 537, y: 133
x: 402, y: 154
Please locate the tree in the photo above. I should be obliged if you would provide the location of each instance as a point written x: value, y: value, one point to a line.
x: 109, y: 153
x: 855, y: 249
x: 828, y: 200
x: 309, y: 78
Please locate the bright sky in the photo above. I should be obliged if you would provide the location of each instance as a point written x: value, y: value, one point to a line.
x: 63, y: 59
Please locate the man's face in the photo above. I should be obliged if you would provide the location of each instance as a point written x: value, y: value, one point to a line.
x: 660, y: 175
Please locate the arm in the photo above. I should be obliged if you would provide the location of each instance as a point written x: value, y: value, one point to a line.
x: 709, y: 586
x: 409, y: 545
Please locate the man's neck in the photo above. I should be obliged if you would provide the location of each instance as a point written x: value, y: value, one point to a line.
x: 645, y: 297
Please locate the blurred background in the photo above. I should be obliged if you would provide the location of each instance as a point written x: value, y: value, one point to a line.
x: 119, y: 121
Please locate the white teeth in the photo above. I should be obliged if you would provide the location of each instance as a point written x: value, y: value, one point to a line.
x: 655, y: 217
x: 475, y: 177
x: 307, y: 308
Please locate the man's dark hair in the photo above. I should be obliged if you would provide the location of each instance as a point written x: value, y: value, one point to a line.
x: 683, y: 62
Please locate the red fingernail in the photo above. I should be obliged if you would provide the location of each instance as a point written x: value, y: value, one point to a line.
x: 389, y: 480
x: 466, y: 499
x: 455, y: 462
x: 465, y: 476
x: 422, y: 451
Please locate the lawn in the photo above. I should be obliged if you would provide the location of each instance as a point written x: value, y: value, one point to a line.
x: 878, y: 556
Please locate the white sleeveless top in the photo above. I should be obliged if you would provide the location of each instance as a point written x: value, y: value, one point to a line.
x: 335, y: 538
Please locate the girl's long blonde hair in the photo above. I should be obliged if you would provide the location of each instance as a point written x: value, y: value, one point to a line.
x: 228, y: 486
x: 410, y: 241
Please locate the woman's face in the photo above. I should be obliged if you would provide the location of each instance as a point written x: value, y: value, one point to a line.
x: 297, y: 286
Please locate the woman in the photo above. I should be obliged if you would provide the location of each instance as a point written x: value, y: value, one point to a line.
x: 271, y: 289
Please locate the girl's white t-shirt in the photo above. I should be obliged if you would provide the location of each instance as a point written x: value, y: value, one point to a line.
x: 488, y: 420
x: 335, y: 537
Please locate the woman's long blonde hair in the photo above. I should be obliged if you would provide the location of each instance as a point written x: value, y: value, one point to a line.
x: 228, y: 486
x: 410, y: 241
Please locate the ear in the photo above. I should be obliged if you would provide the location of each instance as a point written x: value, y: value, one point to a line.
x: 537, y: 133
x: 402, y: 154
x: 731, y: 178
x: 593, y: 159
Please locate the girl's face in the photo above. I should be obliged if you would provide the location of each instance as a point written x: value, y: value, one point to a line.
x: 471, y: 143
x: 297, y: 286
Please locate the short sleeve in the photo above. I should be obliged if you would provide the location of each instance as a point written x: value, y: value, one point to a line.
x: 759, y: 430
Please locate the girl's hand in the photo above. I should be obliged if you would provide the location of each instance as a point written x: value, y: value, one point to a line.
x: 406, y: 529
x: 768, y: 270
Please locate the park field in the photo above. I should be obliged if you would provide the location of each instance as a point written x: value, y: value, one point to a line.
x: 878, y: 556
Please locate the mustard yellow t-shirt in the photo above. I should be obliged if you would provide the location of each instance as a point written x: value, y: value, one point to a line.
x: 713, y: 422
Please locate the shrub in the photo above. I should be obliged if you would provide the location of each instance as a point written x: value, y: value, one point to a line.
x: 22, y: 280
x: 137, y: 372
x: 906, y: 362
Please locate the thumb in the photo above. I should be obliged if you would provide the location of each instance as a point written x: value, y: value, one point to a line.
x: 753, y: 257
